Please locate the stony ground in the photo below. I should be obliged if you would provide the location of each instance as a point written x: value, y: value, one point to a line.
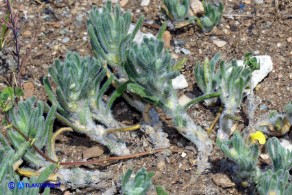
x: 263, y: 27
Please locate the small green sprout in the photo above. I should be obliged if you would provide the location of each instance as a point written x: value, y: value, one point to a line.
x: 8, y: 96
x: 232, y: 80
x: 206, y: 77
x: 245, y: 156
x: 177, y: 10
x: 139, y: 185
x: 212, y: 16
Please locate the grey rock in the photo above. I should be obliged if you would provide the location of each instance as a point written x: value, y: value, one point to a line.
x: 79, y: 20
x: 66, y: 40
x: 185, y: 51
x: 263, y: 107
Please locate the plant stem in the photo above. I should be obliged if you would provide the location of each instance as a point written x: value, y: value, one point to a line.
x: 61, y: 130
x: 202, y: 98
x: 64, y: 120
x: 209, y: 130
x: 123, y: 129
x: 31, y: 173
x: 131, y: 156
x: 14, y: 28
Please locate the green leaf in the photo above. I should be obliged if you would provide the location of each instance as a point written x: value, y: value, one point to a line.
x: 117, y: 93
x: 202, y: 98
x: 139, y: 90
x: 126, y: 177
x: 160, y: 191
x: 45, y: 173
x: 103, y: 89
x: 180, y: 64
x: 18, y: 92
x: 21, y: 151
x: 161, y: 31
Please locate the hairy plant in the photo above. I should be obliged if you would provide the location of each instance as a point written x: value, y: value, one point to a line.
x: 206, y: 77
x: 212, y: 16
x: 81, y: 84
x: 270, y: 180
x: 29, y: 120
x: 108, y: 30
x: 244, y: 155
x: 275, y: 123
x: 232, y: 81
x: 140, y: 184
x: 281, y: 157
x: 10, y: 182
x: 151, y: 70
x: 274, y: 182
x: 177, y: 10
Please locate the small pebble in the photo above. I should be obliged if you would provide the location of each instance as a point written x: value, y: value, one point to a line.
x: 263, y: 107
x: 183, y: 154
x: 185, y: 51
x: 26, y: 34
x: 145, y: 2
x: 179, y: 82
x: 66, y: 40
x: 219, y: 43
x: 123, y: 2
x: 222, y: 180
x: 259, y: 1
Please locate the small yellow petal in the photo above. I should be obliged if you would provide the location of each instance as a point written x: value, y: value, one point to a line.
x: 258, y: 136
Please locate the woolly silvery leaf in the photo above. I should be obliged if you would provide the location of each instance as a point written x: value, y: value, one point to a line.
x: 108, y: 31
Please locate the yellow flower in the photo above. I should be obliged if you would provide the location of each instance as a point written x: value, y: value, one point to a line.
x: 258, y: 136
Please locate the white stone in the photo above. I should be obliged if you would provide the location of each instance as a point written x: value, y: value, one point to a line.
x: 219, y: 43
x: 266, y: 66
x: 145, y: 2
x: 179, y: 82
x: 286, y: 144
x: 184, y: 99
x: 123, y: 2
x: 113, y: 1
x: 183, y: 154
x: 196, y: 8
x: 259, y: 1
x: 140, y: 35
